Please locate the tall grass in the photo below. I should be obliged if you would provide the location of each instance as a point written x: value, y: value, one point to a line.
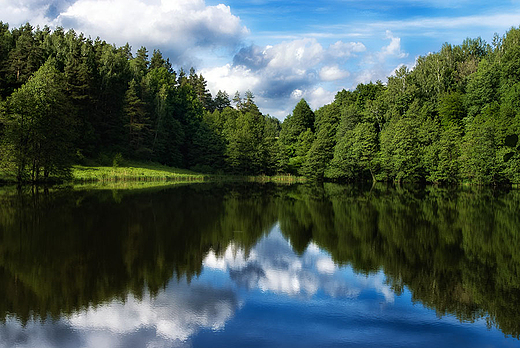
x: 133, y: 172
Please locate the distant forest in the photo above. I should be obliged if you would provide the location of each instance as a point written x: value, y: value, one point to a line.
x: 67, y: 99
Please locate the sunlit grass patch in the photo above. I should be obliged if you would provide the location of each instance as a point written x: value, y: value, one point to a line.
x: 134, y: 172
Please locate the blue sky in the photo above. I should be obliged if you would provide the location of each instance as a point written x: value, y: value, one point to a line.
x: 280, y: 50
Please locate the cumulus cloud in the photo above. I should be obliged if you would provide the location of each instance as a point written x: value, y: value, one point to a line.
x: 315, y: 95
x: 319, y: 96
x: 177, y: 24
x: 182, y: 29
x: 345, y: 49
x: 394, y: 47
x: 381, y: 64
x: 231, y: 78
x: 297, y: 55
x: 280, y: 73
x: 332, y: 73
x: 252, y: 57
x: 271, y: 72
x: 17, y: 12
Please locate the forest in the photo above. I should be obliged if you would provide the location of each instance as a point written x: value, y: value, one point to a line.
x: 67, y: 99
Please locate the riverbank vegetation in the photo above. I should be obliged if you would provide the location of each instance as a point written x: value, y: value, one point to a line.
x: 133, y: 172
x: 69, y: 100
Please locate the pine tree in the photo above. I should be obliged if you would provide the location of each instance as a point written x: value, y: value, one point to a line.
x: 221, y: 101
x: 25, y: 58
x: 137, y: 122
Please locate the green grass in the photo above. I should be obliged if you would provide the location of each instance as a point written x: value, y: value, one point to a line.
x: 133, y: 171
x: 126, y: 185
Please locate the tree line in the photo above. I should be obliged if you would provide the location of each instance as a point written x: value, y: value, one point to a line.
x: 67, y: 99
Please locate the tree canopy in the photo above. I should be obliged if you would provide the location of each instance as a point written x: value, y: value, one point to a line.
x: 444, y: 121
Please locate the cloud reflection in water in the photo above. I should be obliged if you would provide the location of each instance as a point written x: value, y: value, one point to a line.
x: 176, y: 314
x: 273, y: 266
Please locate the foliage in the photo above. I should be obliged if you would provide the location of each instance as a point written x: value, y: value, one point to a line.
x: 38, y: 127
x: 444, y: 121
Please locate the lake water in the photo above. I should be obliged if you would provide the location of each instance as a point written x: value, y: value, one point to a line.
x: 251, y: 265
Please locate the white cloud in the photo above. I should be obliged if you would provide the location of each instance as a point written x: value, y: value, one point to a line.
x: 298, y: 55
x: 179, y: 24
x: 185, y: 30
x: 297, y: 94
x: 369, y: 74
x: 17, y: 12
x: 316, y: 97
x: 332, y: 73
x: 393, y: 48
x: 279, y: 74
x: 231, y: 79
x: 319, y: 96
x: 345, y: 49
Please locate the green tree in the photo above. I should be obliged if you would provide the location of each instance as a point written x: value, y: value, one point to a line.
x: 140, y: 63
x: 26, y: 57
x: 200, y: 87
x: 242, y: 150
x: 443, y: 157
x: 451, y: 109
x: 209, y: 149
x: 6, y: 44
x: 137, y: 122
x: 482, y: 88
x: 300, y: 122
x: 400, y: 155
x: 320, y: 153
x: 39, y: 127
x: 355, y: 154
x: 478, y: 151
x: 221, y: 101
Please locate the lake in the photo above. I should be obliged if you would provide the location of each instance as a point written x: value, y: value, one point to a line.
x: 259, y: 265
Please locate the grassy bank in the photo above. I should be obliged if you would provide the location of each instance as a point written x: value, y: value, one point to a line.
x: 139, y: 171
x: 134, y: 172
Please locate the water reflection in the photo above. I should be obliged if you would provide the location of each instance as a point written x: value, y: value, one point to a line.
x: 273, y: 266
x: 174, y: 314
x: 188, y: 265
x: 182, y: 309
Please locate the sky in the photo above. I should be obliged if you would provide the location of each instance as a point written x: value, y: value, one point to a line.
x: 282, y: 51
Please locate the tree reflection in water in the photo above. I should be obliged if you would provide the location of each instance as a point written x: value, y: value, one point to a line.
x: 67, y: 253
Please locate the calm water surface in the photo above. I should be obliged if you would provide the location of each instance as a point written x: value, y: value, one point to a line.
x: 254, y: 265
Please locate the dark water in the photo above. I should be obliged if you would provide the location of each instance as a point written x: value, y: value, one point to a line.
x: 260, y: 266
